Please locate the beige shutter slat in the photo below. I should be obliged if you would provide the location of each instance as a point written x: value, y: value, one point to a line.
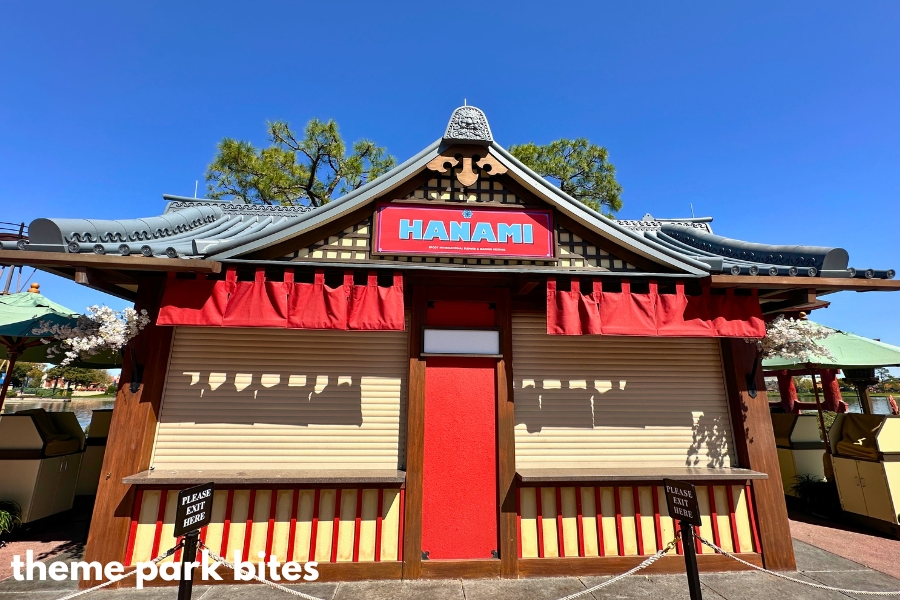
x: 616, y: 401
x: 278, y: 399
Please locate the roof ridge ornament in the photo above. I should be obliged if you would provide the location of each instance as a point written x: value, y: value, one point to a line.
x: 468, y: 124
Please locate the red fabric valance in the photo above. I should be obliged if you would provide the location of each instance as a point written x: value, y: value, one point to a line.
x: 261, y: 303
x: 652, y: 314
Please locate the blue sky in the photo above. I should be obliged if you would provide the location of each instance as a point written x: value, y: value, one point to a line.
x: 780, y: 119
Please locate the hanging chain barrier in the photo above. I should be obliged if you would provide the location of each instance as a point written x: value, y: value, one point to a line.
x: 271, y: 584
x: 650, y: 560
x: 156, y: 560
x: 820, y: 586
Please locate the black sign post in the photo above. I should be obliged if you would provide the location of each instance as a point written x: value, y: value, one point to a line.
x: 193, y: 513
x: 681, y: 499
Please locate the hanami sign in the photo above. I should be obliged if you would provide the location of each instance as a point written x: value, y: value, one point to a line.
x: 681, y: 498
x: 194, y: 508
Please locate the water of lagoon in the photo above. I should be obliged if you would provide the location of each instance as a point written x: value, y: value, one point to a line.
x: 82, y: 407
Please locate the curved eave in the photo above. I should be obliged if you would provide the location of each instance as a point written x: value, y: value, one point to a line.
x: 603, y: 225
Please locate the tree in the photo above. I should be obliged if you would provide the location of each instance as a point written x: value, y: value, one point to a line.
x: 79, y: 377
x: 304, y: 171
x: 803, y: 385
x: 582, y: 169
x: 23, y: 371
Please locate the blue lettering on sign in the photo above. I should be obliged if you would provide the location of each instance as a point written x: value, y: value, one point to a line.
x: 528, y: 237
x: 460, y: 232
x: 408, y: 230
x: 505, y: 232
x: 436, y: 230
x: 483, y: 232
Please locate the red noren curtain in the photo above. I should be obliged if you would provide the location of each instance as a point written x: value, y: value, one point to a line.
x: 373, y: 307
x: 261, y: 303
x: 317, y: 306
x: 194, y: 301
x: 652, y: 313
x: 624, y: 313
x: 571, y: 313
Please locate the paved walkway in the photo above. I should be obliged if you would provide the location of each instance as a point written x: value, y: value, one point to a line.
x: 876, y: 552
x: 814, y: 564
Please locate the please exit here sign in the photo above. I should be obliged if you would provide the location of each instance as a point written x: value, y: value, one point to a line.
x: 681, y: 499
x: 194, y: 508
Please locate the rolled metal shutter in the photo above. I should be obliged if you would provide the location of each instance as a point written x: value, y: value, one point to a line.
x: 613, y: 401
x: 275, y: 399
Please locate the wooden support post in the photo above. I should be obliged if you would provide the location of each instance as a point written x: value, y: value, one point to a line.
x: 506, y: 444
x: 131, y: 433
x: 865, y: 402
x: 10, y: 365
x: 415, y: 441
x: 755, y: 445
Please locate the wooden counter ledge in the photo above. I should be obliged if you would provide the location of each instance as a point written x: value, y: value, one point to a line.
x: 266, y: 477
x: 628, y: 474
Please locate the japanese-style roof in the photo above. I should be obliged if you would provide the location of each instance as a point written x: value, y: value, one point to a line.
x: 187, y: 229
x: 694, y: 237
x: 199, y: 228
x: 848, y: 351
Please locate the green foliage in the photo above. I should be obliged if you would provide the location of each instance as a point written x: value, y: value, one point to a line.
x: 26, y: 370
x: 803, y: 384
x: 292, y: 171
x: 112, y: 390
x: 582, y: 169
x: 10, y: 516
x: 818, y: 495
x: 79, y: 377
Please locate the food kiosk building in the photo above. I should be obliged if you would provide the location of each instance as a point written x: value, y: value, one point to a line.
x: 453, y: 371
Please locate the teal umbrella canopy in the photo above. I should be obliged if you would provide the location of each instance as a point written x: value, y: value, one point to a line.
x: 848, y: 350
x: 21, y: 313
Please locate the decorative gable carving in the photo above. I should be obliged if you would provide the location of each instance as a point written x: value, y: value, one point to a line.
x: 467, y: 159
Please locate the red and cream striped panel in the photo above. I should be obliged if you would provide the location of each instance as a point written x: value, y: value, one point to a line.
x: 328, y: 525
x: 626, y: 521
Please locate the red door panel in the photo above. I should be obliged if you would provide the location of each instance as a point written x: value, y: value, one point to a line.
x: 459, y: 512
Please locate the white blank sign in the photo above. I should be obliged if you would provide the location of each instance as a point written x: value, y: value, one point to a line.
x: 461, y: 341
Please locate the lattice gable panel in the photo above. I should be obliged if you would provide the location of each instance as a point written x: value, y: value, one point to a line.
x: 575, y: 251
x: 445, y: 187
x: 352, y: 244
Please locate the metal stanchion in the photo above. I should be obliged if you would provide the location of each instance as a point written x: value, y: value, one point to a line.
x: 188, y: 556
x: 690, y: 560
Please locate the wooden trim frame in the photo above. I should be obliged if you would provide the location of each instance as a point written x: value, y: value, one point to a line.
x: 131, y: 433
x: 506, y: 444
x: 755, y: 445
x: 461, y: 569
x: 411, y: 516
x: 830, y: 284
x: 106, y: 261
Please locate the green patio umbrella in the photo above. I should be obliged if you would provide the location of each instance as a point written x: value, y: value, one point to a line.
x: 849, y: 351
x: 856, y: 355
x: 20, y: 314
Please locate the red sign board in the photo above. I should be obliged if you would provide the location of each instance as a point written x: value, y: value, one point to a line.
x: 464, y: 231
